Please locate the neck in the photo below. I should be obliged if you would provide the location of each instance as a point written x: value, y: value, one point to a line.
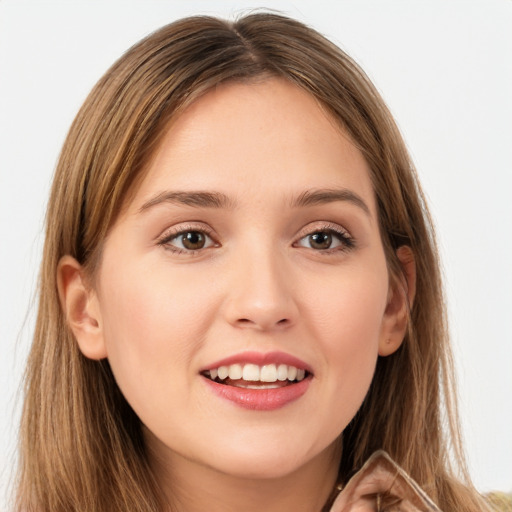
x: 190, y: 487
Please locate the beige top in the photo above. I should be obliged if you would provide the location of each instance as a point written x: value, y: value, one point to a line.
x: 382, y: 486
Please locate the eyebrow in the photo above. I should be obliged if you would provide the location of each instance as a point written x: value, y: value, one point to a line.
x: 202, y: 199
x: 323, y: 196
x: 196, y: 199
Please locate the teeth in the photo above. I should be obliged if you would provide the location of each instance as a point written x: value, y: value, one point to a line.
x: 235, y: 371
x: 251, y: 372
x: 258, y: 386
x: 255, y: 373
x: 282, y: 372
x: 223, y: 372
x: 268, y: 373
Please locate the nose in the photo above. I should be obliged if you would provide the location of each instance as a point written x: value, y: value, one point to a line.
x: 261, y: 293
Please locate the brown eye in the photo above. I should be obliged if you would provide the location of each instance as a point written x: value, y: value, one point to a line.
x: 327, y: 240
x: 193, y: 240
x: 187, y: 241
x: 320, y: 240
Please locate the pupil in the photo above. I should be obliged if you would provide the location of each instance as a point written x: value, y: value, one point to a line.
x: 321, y: 240
x: 193, y: 240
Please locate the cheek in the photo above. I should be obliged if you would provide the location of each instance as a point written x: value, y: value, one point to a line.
x: 151, y: 335
x: 349, y: 327
x: 348, y: 314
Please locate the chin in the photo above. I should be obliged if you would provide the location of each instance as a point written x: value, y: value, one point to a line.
x: 261, y: 468
x: 274, y: 459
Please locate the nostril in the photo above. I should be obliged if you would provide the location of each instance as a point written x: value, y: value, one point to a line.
x: 248, y: 321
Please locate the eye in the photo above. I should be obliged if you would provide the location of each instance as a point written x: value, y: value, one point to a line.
x: 188, y: 240
x: 326, y: 239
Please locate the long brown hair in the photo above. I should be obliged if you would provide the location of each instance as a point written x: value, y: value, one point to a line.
x: 81, y: 443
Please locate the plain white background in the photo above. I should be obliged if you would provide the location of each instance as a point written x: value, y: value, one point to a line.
x: 443, y: 66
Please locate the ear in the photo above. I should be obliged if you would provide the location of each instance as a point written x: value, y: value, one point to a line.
x: 400, y: 300
x: 81, y: 308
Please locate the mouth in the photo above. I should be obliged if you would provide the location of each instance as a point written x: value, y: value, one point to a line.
x: 253, y: 376
x: 257, y: 381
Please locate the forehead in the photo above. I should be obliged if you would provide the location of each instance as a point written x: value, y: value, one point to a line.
x: 241, y: 139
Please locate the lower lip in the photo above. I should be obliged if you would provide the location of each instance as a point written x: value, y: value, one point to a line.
x: 260, y: 399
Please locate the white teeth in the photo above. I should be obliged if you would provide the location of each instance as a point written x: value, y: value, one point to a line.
x: 268, y: 373
x: 254, y: 373
x: 259, y: 386
x: 223, y: 372
x: 282, y: 372
x: 251, y: 372
x: 292, y: 373
x: 235, y: 371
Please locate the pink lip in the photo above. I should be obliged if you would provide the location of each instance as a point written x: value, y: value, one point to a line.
x: 261, y: 359
x: 260, y: 399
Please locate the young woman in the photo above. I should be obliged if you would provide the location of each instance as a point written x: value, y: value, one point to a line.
x: 240, y: 296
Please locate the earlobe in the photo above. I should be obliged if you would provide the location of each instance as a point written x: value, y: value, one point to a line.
x: 81, y: 308
x: 401, y: 298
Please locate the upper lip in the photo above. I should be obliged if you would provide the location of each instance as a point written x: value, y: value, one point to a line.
x: 260, y: 359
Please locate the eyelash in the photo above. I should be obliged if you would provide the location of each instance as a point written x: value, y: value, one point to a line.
x: 347, y: 242
x: 169, y: 236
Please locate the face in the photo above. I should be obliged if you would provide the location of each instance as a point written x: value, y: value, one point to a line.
x: 243, y: 295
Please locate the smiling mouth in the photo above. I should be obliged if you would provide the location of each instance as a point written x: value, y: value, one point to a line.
x: 252, y: 376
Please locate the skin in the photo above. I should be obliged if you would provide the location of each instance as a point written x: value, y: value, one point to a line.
x: 161, y: 313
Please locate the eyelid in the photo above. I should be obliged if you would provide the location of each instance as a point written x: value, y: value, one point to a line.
x: 346, y: 239
x: 173, y: 232
x: 315, y: 226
